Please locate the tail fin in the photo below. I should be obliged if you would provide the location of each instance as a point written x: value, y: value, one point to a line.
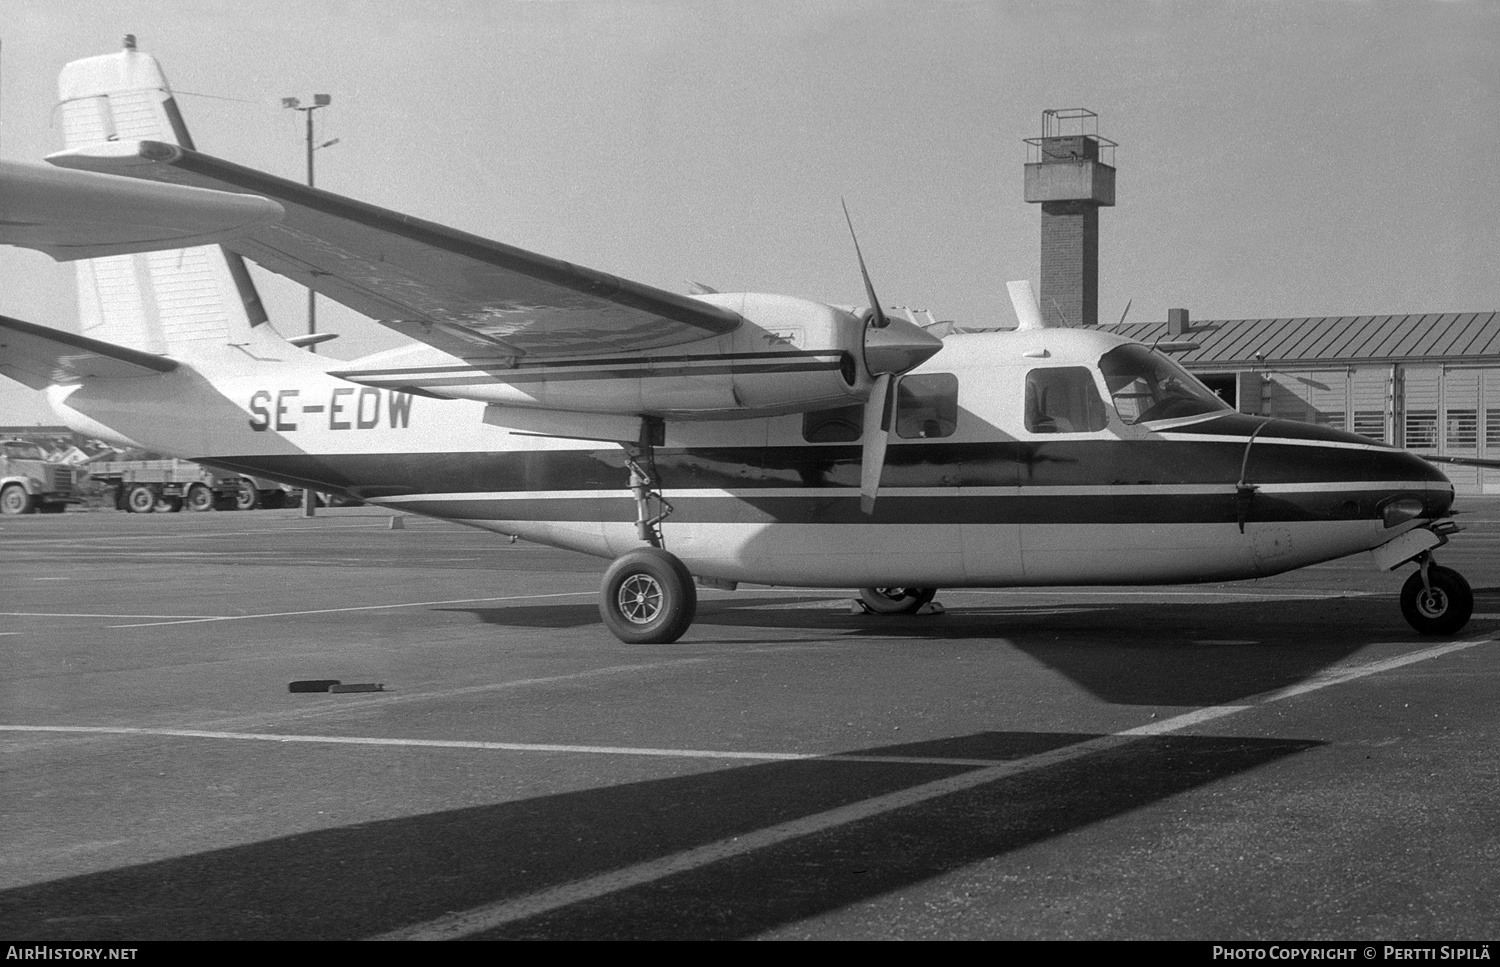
x: 172, y: 302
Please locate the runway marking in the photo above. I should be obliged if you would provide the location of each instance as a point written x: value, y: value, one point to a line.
x: 502, y: 746
x: 363, y: 607
x: 53, y: 614
x: 93, y: 539
x: 490, y: 916
x: 1268, y: 594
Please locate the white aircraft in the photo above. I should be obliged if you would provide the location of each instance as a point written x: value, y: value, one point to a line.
x: 724, y: 437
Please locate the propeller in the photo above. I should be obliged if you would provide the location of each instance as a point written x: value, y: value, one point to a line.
x: 878, y: 319
x: 892, y: 346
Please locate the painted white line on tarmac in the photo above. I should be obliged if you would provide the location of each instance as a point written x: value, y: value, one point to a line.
x: 504, y: 746
x: 363, y: 607
x: 1268, y: 594
x: 89, y: 539
x: 490, y: 916
x: 64, y: 614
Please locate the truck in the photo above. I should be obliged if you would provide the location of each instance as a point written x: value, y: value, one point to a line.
x: 167, y: 486
x: 31, y: 481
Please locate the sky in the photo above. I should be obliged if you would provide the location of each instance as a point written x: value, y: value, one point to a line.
x: 1321, y: 157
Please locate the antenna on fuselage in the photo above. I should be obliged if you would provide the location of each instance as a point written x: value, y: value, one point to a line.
x: 1023, y: 300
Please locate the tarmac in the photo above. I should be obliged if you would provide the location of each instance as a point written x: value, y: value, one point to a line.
x: 1270, y: 760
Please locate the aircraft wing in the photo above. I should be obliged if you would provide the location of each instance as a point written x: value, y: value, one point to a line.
x: 83, y: 215
x: 465, y: 295
x: 39, y: 356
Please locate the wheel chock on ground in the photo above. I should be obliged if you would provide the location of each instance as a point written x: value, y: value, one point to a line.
x: 398, y: 523
x: 359, y: 687
x: 932, y: 607
x: 313, y: 685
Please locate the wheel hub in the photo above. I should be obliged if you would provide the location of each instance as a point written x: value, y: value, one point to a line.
x: 640, y: 599
x: 1432, y: 603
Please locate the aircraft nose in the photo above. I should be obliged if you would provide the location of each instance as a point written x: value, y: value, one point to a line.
x: 1428, y: 487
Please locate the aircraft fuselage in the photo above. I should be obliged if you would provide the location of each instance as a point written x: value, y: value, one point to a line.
x: 982, y: 493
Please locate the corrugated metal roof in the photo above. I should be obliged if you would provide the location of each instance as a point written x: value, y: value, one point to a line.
x: 1453, y: 336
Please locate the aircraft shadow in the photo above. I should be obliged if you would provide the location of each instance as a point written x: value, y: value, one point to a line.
x: 371, y: 878
x: 1126, y: 654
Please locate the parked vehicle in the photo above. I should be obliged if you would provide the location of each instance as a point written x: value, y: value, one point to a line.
x: 31, y: 481
x: 167, y: 486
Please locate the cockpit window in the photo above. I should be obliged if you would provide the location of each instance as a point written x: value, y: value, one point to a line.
x: 1063, y: 399
x: 1148, y: 386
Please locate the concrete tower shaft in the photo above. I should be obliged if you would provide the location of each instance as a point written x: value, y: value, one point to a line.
x: 1067, y: 174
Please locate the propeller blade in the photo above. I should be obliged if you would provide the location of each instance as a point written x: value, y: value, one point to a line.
x: 877, y: 314
x: 878, y: 413
x: 1028, y: 313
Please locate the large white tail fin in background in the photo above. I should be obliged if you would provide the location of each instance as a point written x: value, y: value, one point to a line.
x: 169, y: 302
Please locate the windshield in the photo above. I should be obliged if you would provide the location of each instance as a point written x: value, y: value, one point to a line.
x: 1148, y: 386
x: 24, y: 451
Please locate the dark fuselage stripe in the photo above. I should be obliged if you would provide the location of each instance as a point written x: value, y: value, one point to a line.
x: 1157, y: 481
x: 894, y: 508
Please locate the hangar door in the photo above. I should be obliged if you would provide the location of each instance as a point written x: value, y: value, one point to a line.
x: 1308, y: 396
x: 1357, y: 400
x: 1454, y: 411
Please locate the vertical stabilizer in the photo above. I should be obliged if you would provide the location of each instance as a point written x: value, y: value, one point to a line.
x: 158, y: 302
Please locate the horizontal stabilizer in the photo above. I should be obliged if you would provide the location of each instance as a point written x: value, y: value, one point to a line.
x: 457, y: 292
x: 39, y: 357
x: 83, y: 215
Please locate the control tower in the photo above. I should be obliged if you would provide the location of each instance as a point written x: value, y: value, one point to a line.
x: 1070, y: 172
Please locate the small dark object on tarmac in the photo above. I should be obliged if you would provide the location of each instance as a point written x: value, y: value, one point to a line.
x: 313, y: 685
x: 361, y: 687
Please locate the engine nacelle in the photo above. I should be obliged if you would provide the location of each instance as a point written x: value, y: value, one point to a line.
x: 789, y: 355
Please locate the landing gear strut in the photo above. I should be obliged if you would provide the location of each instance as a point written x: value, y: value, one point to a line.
x: 1436, y: 600
x: 648, y: 596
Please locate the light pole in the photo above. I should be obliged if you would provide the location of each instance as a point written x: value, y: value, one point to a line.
x: 309, y: 499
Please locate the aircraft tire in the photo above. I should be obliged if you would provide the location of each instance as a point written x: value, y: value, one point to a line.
x: 15, y: 500
x: 199, y: 498
x: 896, y: 600
x: 647, y: 597
x: 1445, y: 610
x: 140, y: 500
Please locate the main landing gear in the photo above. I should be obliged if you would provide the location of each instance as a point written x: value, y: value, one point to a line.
x: 895, y: 600
x: 1436, y: 600
x: 648, y: 597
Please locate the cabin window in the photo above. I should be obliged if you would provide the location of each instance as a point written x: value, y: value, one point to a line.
x: 1063, y: 399
x: 1148, y: 386
x: 927, y: 406
x: 843, y: 425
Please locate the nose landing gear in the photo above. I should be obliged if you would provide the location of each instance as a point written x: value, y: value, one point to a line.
x: 1436, y: 600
